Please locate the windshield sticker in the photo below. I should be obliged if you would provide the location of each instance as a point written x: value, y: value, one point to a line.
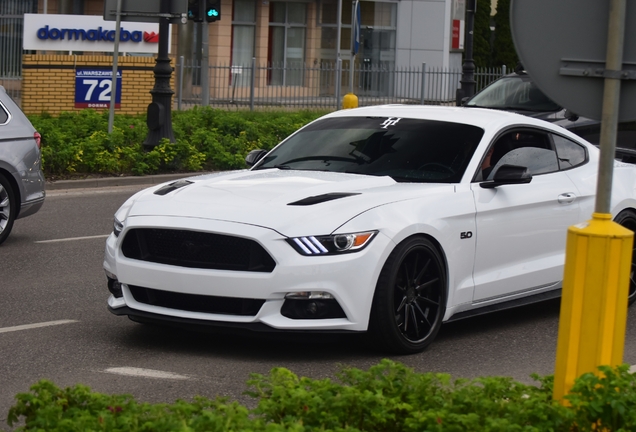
x: 390, y: 122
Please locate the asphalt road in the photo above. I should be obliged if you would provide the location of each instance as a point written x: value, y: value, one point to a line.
x: 51, y: 272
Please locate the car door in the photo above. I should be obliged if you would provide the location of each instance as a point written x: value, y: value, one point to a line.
x: 521, y: 228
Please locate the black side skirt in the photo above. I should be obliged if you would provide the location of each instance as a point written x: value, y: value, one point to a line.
x: 548, y: 295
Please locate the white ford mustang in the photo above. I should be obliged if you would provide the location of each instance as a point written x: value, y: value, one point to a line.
x: 386, y: 219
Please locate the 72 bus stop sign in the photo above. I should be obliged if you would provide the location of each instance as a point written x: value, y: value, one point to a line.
x: 94, y: 86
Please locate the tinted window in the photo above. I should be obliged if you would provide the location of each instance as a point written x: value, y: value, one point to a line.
x: 406, y: 149
x: 4, y: 116
x: 570, y: 153
x: 513, y: 93
x: 530, y: 149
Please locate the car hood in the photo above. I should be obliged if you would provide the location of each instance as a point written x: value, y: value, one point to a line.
x: 286, y: 201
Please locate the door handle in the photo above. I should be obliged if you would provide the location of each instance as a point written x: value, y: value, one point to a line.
x: 567, y: 198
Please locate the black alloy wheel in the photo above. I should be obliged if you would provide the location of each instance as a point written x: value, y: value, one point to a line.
x: 627, y: 219
x: 8, y: 208
x: 410, y: 297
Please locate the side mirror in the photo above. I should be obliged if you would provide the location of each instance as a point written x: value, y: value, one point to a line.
x: 508, y: 174
x: 254, y: 156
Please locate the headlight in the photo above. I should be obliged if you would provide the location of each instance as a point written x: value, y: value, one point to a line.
x: 117, y: 227
x: 331, y: 244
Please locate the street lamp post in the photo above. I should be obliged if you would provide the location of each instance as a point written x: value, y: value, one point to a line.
x: 159, y: 119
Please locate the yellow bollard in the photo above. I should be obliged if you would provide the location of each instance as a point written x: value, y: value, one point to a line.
x: 594, y: 302
x: 350, y: 101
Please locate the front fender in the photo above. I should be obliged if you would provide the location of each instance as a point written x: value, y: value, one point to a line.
x: 451, y: 224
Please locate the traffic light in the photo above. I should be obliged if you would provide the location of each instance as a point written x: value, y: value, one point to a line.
x: 194, y: 11
x: 212, y: 10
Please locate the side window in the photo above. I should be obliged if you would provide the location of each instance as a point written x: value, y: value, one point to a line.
x: 570, y: 153
x: 4, y: 116
x: 531, y: 149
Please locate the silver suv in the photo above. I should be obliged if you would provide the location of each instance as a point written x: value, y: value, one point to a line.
x: 21, y: 178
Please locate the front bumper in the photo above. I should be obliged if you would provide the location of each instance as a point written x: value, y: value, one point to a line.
x: 203, y: 325
x: 349, y: 278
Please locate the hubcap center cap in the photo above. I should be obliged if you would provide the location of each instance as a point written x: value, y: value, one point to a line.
x: 410, y: 295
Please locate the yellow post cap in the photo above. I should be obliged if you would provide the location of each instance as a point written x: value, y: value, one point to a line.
x: 349, y: 101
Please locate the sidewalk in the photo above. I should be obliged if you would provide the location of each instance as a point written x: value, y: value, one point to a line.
x: 116, y: 181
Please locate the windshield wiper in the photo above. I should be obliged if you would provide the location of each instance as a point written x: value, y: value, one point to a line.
x: 282, y: 167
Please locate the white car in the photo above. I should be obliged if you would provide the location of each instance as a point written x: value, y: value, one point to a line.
x: 383, y: 219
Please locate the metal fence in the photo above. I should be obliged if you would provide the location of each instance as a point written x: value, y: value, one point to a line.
x: 316, y: 86
x: 11, y: 22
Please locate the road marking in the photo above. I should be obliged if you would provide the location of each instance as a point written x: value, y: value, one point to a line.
x: 145, y: 373
x: 32, y: 326
x: 72, y: 239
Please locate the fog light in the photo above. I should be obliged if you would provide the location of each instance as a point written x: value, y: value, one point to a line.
x: 311, y: 305
x: 114, y: 286
x: 312, y: 308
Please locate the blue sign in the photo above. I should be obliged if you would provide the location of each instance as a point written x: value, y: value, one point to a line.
x: 93, y: 88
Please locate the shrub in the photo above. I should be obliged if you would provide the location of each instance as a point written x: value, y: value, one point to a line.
x: 206, y: 139
x: 387, y: 397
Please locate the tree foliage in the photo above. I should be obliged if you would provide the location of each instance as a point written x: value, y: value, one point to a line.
x: 503, y: 50
x: 482, y: 33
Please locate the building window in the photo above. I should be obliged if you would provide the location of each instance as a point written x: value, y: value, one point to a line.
x: 286, y: 47
x: 243, y: 37
x: 376, y: 55
x: 243, y: 32
x: 378, y: 32
x: 11, y: 28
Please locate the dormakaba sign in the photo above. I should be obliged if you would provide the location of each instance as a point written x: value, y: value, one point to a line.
x: 87, y: 33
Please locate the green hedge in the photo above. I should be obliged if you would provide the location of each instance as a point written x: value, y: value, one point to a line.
x: 387, y: 397
x: 206, y: 140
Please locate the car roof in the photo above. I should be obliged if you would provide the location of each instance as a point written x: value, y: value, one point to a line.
x: 480, y: 117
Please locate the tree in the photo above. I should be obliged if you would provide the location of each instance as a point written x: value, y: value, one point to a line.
x: 503, y: 50
x: 481, y: 36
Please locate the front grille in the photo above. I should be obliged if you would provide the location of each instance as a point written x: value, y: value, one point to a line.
x: 196, y: 249
x: 196, y: 302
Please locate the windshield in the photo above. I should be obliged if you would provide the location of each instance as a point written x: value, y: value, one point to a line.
x: 513, y: 93
x: 407, y: 150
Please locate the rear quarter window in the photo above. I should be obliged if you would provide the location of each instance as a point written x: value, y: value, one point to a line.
x: 570, y: 154
x: 4, y: 115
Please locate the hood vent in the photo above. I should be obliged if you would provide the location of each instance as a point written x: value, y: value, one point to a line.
x: 322, y: 198
x: 172, y: 187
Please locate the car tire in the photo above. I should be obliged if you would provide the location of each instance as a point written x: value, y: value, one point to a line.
x: 410, y: 298
x: 8, y: 208
x: 627, y: 219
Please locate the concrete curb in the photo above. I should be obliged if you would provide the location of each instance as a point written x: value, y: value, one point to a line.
x: 116, y: 181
